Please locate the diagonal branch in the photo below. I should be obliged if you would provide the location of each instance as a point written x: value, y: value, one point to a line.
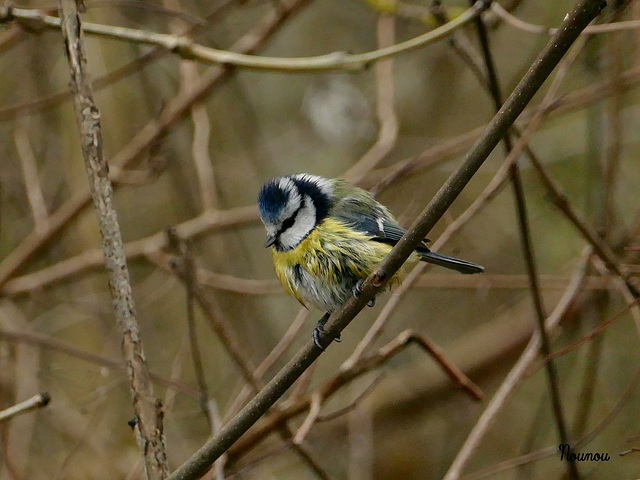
x: 574, y: 23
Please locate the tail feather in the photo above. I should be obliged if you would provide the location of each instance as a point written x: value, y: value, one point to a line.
x: 452, y: 263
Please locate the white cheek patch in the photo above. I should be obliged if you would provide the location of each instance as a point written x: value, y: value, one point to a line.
x: 305, y: 222
x: 293, y: 202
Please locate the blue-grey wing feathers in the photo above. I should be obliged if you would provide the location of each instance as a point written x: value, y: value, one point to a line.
x: 375, y: 220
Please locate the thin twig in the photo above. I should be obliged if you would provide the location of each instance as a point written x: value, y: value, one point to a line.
x: 214, y: 280
x: 46, y: 341
x: 360, y: 438
x: 207, y: 221
x: 298, y: 404
x: 600, y: 247
x: 407, y: 337
x: 30, y: 173
x: 460, y: 44
x: 187, y: 266
x: 186, y: 48
x: 37, y: 401
x: 81, y: 441
x: 614, y: 125
x: 221, y: 326
x: 327, y: 417
x: 200, y: 120
x: 149, y: 428
x: 175, y: 373
x: 216, y: 425
x: 527, y: 249
x: 270, y: 359
x: 540, y: 29
x: 19, y: 434
x: 624, y: 290
x: 599, y: 329
x: 312, y: 416
x: 516, y: 373
x: 385, y: 108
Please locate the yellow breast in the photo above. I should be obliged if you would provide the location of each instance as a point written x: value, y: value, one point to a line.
x: 333, y: 257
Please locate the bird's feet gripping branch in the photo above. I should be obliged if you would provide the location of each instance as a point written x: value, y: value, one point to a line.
x: 319, y: 335
x: 357, y: 291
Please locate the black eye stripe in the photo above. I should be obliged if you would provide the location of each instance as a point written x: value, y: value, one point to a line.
x: 288, y: 223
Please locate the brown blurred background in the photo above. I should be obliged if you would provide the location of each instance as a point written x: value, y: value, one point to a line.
x: 201, y: 173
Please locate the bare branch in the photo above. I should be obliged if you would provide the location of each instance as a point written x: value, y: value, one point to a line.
x: 219, y: 324
x: 327, y: 417
x: 312, y: 416
x: 183, y: 253
x: 599, y: 329
x: 540, y: 29
x: 150, y: 246
x: 527, y: 245
x: 149, y: 417
x: 31, y: 179
x: 274, y: 355
x: 385, y: 86
x: 517, y: 373
x: 44, y: 341
x: 37, y: 401
x: 184, y: 47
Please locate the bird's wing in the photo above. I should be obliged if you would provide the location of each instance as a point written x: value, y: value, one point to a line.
x: 374, y: 220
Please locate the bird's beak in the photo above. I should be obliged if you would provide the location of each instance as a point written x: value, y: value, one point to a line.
x: 271, y: 239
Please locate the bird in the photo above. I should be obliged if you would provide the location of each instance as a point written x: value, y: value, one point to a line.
x: 327, y: 236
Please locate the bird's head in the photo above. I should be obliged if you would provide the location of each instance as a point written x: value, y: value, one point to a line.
x: 291, y: 207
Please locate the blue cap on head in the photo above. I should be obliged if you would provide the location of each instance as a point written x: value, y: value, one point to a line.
x: 281, y: 198
x: 271, y: 200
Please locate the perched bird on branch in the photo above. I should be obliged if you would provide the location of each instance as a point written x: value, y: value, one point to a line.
x: 328, y: 235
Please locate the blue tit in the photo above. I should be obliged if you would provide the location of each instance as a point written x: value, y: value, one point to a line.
x: 327, y: 236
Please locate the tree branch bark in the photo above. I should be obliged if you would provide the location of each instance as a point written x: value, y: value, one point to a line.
x: 148, y: 410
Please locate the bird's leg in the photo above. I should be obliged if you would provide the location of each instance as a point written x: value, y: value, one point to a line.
x: 357, y: 290
x: 318, y: 332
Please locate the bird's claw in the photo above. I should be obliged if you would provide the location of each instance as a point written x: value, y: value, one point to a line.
x: 319, y: 333
x: 357, y: 291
